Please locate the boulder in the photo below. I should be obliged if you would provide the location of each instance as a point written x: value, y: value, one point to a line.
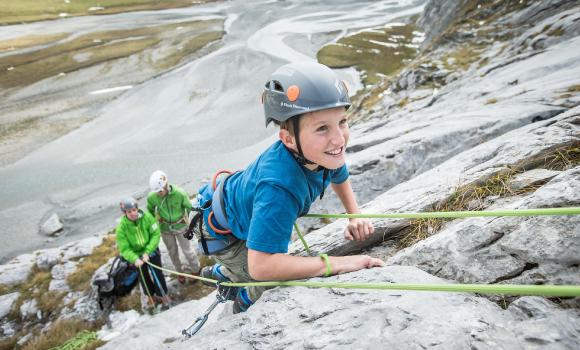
x: 52, y: 226
x: 6, y: 302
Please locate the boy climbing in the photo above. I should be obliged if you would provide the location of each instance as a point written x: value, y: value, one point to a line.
x: 249, y: 224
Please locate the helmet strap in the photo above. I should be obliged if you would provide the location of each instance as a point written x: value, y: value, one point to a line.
x: 300, y: 156
x: 301, y: 159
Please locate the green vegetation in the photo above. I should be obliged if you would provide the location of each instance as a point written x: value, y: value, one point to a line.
x: 377, y: 52
x: 80, y: 279
x: 491, y: 101
x: 12, y: 12
x: 474, y: 196
x: 556, y: 32
x: 36, y: 287
x: 30, y: 41
x: 91, y: 49
x: 60, y: 332
x: 5, y: 289
x: 463, y: 57
x: 563, y: 158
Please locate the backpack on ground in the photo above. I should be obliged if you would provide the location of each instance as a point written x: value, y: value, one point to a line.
x: 119, y: 282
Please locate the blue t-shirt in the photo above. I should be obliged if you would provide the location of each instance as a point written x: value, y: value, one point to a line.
x: 263, y: 201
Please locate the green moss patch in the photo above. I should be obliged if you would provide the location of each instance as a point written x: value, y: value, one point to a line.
x: 30, y: 41
x: 377, y: 52
x: 91, y: 49
x: 19, y: 11
x: 462, y: 57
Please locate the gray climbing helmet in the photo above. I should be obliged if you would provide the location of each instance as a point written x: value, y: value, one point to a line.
x: 299, y: 88
x: 128, y: 203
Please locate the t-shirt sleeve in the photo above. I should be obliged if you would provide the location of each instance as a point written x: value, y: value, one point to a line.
x: 339, y: 175
x: 274, y: 212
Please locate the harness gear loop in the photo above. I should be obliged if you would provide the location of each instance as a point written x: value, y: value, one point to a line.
x: 214, y: 179
x: 211, y: 214
x: 217, y: 230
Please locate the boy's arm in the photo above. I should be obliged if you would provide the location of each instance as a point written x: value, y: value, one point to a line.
x: 357, y: 229
x: 277, y: 267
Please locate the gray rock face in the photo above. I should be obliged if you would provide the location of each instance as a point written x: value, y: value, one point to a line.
x: 47, y: 258
x: 29, y: 309
x: 437, y: 17
x: 59, y: 274
x: 295, y: 318
x: 6, y: 302
x: 531, y: 250
x: 531, y: 178
x: 16, y: 270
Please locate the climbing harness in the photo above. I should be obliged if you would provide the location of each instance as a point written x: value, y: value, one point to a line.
x: 210, y: 210
x: 223, y: 294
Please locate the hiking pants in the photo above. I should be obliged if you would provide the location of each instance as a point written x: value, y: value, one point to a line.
x: 171, y: 240
x: 149, y: 284
x: 234, y: 262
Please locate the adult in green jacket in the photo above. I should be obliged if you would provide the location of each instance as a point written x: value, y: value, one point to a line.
x: 171, y: 206
x: 138, y: 237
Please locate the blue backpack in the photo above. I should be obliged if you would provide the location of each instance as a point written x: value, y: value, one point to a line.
x: 120, y: 281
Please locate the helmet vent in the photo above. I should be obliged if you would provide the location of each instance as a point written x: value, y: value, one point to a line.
x: 277, y: 86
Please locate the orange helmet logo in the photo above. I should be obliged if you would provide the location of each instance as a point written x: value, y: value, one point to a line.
x: 293, y: 93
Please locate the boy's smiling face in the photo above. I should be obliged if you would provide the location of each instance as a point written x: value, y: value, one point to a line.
x: 323, y: 137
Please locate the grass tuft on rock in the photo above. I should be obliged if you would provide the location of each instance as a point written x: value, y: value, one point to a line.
x: 60, y: 332
x: 477, y: 196
x: 80, y: 279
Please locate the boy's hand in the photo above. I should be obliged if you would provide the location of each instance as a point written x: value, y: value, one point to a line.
x: 358, y: 229
x: 145, y: 257
x: 139, y: 263
x: 344, y: 264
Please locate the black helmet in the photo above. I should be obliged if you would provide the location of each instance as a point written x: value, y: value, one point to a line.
x: 299, y: 88
x: 128, y: 203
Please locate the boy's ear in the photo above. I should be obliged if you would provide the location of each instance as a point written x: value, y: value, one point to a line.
x: 286, y: 138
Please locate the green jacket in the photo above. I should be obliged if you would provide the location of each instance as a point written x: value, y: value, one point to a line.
x: 134, y: 238
x: 171, y: 210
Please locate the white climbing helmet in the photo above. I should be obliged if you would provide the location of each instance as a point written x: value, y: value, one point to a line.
x: 157, y: 181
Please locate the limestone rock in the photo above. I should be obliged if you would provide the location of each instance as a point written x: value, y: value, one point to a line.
x: 17, y: 270
x: 530, y: 178
x: 6, y: 302
x: 51, y: 226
